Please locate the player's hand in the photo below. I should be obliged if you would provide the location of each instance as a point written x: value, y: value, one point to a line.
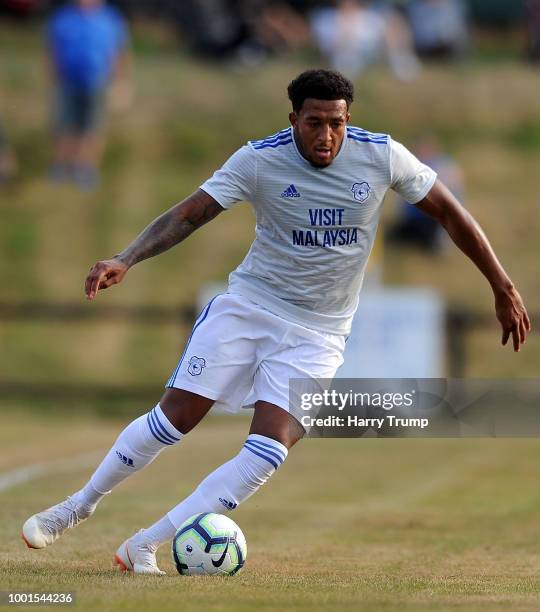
x: 513, y: 317
x: 103, y: 275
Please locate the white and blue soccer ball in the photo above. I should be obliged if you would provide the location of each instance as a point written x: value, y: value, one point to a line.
x: 209, y: 544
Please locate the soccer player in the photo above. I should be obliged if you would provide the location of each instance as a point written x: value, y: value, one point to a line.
x: 317, y: 189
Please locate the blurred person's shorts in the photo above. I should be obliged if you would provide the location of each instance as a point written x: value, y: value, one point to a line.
x: 77, y: 111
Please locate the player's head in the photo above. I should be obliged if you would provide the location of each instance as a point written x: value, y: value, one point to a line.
x: 320, y: 101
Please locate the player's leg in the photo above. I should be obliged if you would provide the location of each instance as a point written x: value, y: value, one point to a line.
x: 273, y: 422
x: 137, y: 446
x: 177, y: 413
x: 273, y: 432
x: 194, y: 381
x: 284, y: 351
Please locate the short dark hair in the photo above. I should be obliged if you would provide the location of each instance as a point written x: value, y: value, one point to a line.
x: 321, y: 85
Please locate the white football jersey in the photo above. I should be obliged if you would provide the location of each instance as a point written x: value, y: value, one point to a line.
x: 315, y: 227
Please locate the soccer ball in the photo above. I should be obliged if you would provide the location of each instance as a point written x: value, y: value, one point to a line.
x: 209, y: 543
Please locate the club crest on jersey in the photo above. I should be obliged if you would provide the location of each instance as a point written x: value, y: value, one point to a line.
x: 196, y: 365
x: 361, y: 191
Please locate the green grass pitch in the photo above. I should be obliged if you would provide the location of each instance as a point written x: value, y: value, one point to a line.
x: 345, y: 524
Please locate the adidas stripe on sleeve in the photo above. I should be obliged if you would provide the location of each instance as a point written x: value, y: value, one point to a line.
x: 236, y: 180
x: 283, y: 137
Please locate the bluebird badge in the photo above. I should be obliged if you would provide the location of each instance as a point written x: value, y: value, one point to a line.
x: 196, y: 365
x: 361, y: 191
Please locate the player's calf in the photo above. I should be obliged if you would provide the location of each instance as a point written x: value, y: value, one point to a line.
x: 226, y: 488
x: 235, y: 481
x: 137, y: 446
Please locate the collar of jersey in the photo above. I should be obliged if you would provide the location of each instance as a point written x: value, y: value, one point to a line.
x: 305, y: 161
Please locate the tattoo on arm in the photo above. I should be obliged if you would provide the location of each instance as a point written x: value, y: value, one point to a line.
x: 171, y: 227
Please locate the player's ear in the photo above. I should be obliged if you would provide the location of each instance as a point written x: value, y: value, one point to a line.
x: 348, y: 117
x: 293, y: 118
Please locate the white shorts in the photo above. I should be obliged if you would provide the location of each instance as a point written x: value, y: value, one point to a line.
x: 239, y: 353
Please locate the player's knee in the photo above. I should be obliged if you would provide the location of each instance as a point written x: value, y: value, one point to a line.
x: 273, y: 422
x: 184, y: 409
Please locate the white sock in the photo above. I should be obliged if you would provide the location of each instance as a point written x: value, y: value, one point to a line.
x: 160, y: 532
x: 88, y: 497
x: 227, y: 487
x: 137, y: 446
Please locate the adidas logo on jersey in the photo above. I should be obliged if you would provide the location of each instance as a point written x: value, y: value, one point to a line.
x: 291, y: 192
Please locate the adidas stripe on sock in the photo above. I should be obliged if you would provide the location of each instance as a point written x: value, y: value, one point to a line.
x: 137, y: 446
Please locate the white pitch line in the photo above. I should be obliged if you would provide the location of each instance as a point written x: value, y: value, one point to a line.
x: 24, y: 474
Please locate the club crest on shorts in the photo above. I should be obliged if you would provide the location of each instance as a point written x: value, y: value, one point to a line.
x: 196, y: 365
x: 361, y: 191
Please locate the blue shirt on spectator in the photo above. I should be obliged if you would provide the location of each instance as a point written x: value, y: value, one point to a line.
x: 85, y: 44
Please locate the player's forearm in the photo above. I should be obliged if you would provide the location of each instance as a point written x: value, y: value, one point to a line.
x: 469, y: 237
x: 171, y: 228
x: 466, y: 233
x: 162, y: 234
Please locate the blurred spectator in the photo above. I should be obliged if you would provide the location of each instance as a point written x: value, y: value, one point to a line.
x: 8, y: 163
x: 413, y: 226
x: 213, y: 28
x: 247, y: 30
x: 354, y: 34
x: 439, y: 27
x: 532, y: 17
x: 87, y: 44
x: 279, y: 26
